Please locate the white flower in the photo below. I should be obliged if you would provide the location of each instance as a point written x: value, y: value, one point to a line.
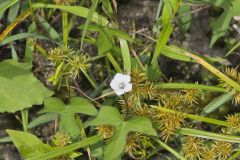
x: 121, y: 84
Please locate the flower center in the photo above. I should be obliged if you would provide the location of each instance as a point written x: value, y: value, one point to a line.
x: 122, y: 85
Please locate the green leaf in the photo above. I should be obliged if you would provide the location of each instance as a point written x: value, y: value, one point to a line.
x: 125, y: 55
x: 67, y: 112
x: 43, y: 119
x: 185, y: 19
x: 209, y: 135
x: 77, y: 10
x: 6, y: 4
x: 107, y: 115
x: 111, y: 116
x: 104, y: 42
x: 21, y: 36
x: 88, y: 20
x: 220, y: 26
x: 216, y: 103
x: 19, y: 89
x: 11, y: 68
x: 5, y: 140
x: 13, y: 12
x: 162, y: 40
x: 111, y: 150
x: 63, y: 150
x: 53, y: 34
x: 14, y: 53
x: 28, y: 144
x: 82, y: 105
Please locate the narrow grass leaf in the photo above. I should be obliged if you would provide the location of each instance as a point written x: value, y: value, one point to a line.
x: 125, y: 55
x: 218, y: 102
x: 209, y: 135
x: 190, y: 86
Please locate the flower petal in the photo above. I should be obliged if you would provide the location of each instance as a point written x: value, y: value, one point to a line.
x: 114, y: 85
x: 126, y: 78
x: 119, y: 91
x: 128, y: 87
x: 118, y: 77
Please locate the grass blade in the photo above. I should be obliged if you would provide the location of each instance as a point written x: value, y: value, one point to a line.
x: 171, y: 150
x: 125, y: 55
x: 216, y: 103
x: 209, y: 135
x: 190, y: 86
x: 88, y: 20
x: 63, y: 150
x: 212, y: 69
x: 77, y: 10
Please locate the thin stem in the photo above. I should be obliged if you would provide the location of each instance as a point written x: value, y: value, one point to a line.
x: 168, y: 148
x: 24, y: 115
x: 91, y: 81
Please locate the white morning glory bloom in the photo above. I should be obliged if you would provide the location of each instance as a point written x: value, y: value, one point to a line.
x: 121, y: 84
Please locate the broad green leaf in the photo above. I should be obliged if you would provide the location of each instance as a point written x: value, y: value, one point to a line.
x: 77, y: 10
x: 11, y: 69
x: 21, y: 92
x: 125, y: 55
x: 28, y: 144
x: 67, y: 112
x: 140, y: 124
x: 104, y: 42
x: 209, y: 135
x: 82, y: 105
x: 19, y: 89
x: 116, y: 144
x: 68, y: 123
x: 111, y: 116
x: 107, y: 115
x: 63, y: 150
x: 216, y: 103
x: 235, y: 7
x: 43, y: 119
